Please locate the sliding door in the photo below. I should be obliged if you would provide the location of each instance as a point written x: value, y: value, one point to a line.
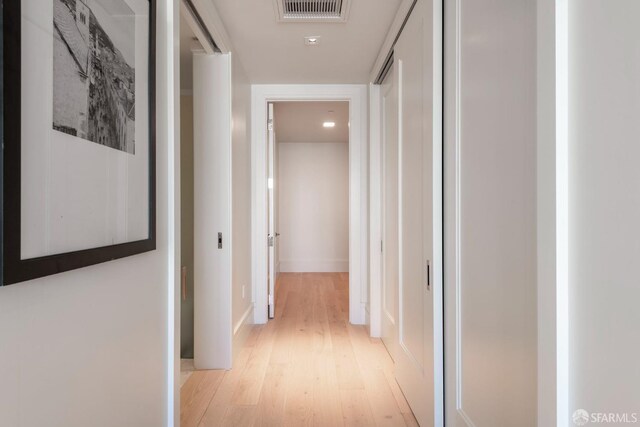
x: 490, y: 215
x: 418, y: 363
x: 390, y: 238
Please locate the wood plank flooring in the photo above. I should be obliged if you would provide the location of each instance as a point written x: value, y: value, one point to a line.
x: 307, y: 367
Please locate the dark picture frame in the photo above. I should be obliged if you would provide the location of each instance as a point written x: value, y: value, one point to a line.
x: 15, y: 269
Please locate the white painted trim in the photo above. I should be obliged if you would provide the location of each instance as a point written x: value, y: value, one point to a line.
x: 241, y: 331
x: 375, y: 211
x: 358, y: 183
x: 168, y: 58
x: 438, y: 213
x: 212, y: 20
x: 195, y: 28
x: 243, y: 320
x: 387, y: 45
x: 552, y: 211
x: 367, y: 318
x: 453, y: 402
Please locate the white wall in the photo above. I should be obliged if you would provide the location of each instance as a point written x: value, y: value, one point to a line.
x: 604, y: 205
x: 314, y: 207
x: 89, y: 347
x: 241, y: 195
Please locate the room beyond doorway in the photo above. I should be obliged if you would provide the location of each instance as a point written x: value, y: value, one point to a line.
x: 312, y: 202
x: 308, y: 189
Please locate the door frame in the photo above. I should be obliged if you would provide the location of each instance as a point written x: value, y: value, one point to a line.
x: 272, y: 225
x: 356, y: 95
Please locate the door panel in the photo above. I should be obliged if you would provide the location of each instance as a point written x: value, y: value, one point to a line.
x: 415, y: 361
x: 212, y: 212
x: 390, y: 212
x: 491, y: 256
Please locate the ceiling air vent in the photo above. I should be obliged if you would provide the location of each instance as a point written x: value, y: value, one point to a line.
x: 312, y: 10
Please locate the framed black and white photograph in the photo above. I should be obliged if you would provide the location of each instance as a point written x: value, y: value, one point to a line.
x: 78, y: 163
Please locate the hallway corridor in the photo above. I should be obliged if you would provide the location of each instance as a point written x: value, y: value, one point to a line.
x: 308, y: 366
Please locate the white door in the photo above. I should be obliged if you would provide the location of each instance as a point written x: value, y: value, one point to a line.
x: 212, y: 174
x: 389, y: 244
x: 418, y: 367
x: 491, y: 289
x: 272, y: 237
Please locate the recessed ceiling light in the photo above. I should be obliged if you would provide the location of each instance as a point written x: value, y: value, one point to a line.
x: 312, y: 40
x: 329, y: 124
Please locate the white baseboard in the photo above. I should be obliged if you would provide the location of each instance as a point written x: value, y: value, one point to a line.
x: 367, y: 314
x: 241, y: 331
x: 314, y: 266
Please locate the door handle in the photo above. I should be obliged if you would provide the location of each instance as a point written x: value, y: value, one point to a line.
x: 184, y: 283
x: 428, y: 275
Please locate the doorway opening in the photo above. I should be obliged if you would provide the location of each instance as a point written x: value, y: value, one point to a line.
x: 308, y: 193
x: 353, y: 99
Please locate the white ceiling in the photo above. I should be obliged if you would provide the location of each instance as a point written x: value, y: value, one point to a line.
x: 186, y: 61
x: 273, y: 52
x: 302, y: 121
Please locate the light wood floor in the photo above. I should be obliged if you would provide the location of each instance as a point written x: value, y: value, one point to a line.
x: 308, y: 366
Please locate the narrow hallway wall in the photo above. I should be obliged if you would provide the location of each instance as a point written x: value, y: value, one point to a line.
x: 89, y: 347
x: 241, y: 196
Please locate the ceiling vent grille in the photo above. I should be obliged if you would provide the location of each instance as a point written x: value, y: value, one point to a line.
x: 312, y: 10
